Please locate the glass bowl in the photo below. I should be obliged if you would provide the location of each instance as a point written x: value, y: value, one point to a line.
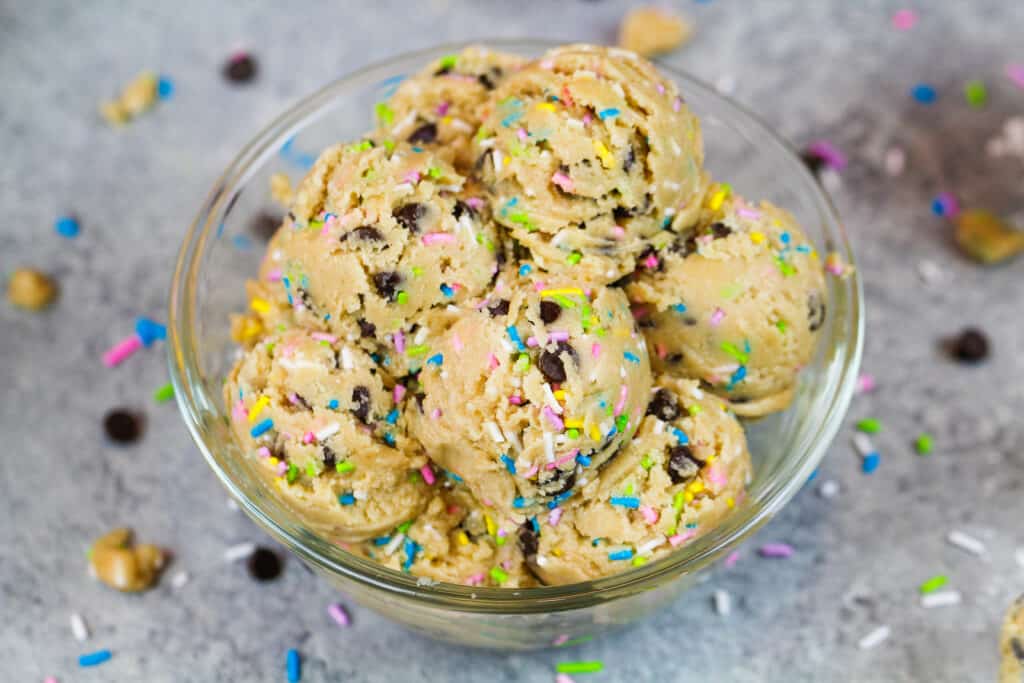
x: 220, y: 252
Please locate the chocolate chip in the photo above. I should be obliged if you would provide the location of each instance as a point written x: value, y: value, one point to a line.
x: 529, y: 541
x: 264, y: 225
x: 682, y: 466
x: 264, y: 564
x: 426, y: 134
x: 630, y: 160
x: 621, y: 213
x: 303, y: 402
x: 813, y: 162
x: 646, y: 323
x: 499, y: 308
x: 551, y: 365
x: 361, y: 397
x: 815, y: 312
x: 330, y: 457
x: 485, y: 81
x: 386, y: 282
x: 443, y: 71
x: 409, y: 215
x: 664, y: 406
x: 241, y: 68
x: 622, y: 281
x: 305, y: 298
x: 971, y: 346
x: 557, y: 481
x: 366, y: 328
x: 720, y: 230
x: 684, y: 246
x: 123, y: 426
x: 1017, y: 645
x: 674, y: 358
x: 364, y: 233
x: 549, y: 311
x: 462, y: 208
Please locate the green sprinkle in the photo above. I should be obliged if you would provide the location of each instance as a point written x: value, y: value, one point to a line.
x: 520, y: 217
x: 924, y: 444
x: 499, y: 575
x: 870, y: 425
x: 343, y: 467
x: 293, y: 473
x: 417, y: 271
x: 311, y: 470
x: 677, y: 501
x: 522, y: 363
x: 500, y: 540
x: 647, y: 463
x: 164, y: 393
x: 434, y: 172
x: 933, y: 584
x: 785, y: 267
x: 782, y: 325
x: 389, y: 145
x: 579, y: 667
x: 403, y: 528
x: 573, y: 433
x: 415, y: 477
x: 637, y: 561
x: 621, y: 421
x: 694, y: 409
x: 731, y: 291
x: 402, y: 298
x: 975, y: 93
x: 735, y: 352
x: 448, y: 61
x: 417, y: 350
x: 574, y: 258
x: 384, y: 113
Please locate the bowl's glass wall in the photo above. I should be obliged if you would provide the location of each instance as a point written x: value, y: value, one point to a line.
x: 222, y: 251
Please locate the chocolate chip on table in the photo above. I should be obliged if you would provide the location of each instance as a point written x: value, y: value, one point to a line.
x: 264, y: 564
x: 386, y: 283
x: 123, y: 426
x: 682, y: 466
x: 241, y: 68
x: 364, y: 233
x: 549, y: 311
x: 663, y: 406
x: 366, y: 328
x: 500, y: 307
x: 720, y: 230
x: 529, y: 542
x: 813, y: 161
x: 970, y: 346
x: 361, y: 399
x: 409, y: 215
x: 264, y: 225
x: 426, y: 134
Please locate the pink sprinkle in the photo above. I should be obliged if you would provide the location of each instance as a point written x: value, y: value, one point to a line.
x: 649, y: 513
x: 834, y: 267
x: 323, y: 336
x: 521, y: 134
x: 515, y: 399
x: 679, y: 539
x: 563, y: 678
x: 717, y: 476
x: 399, y: 339
x: 539, y: 285
x: 829, y: 153
x: 660, y: 88
x: 428, y: 474
x: 558, y: 335
x: 595, y: 350
x: 716, y: 317
x: 904, y: 19
x: 239, y: 412
x: 53, y: 679
x: 623, y: 392
x: 1016, y: 74
x: 293, y: 398
x: 274, y: 275
x: 282, y: 468
x: 263, y: 452
x: 412, y: 177
x: 555, y: 516
x: 547, y: 64
x: 950, y: 206
x: 308, y: 437
x: 457, y: 343
x: 651, y: 262
x: 475, y: 580
x: 587, y: 118
x: 560, y: 640
x: 564, y: 459
x: 782, y: 550
x: 435, y: 413
x: 442, y: 108
x: 338, y: 613
x: 531, y: 341
x: 563, y: 181
x: 619, y: 232
x: 530, y: 472
x: 432, y: 238
x: 659, y: 349
x: 474, y: 202
x: 748, y: 213
x: 677, y: 104
x: 492, y: 361
x: 399, y: 393
x: 732, y: 559
x: 866, y: 384
x: 555, y: 421
x: 122, y: 350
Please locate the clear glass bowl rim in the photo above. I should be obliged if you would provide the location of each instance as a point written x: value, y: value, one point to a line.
x: 191, y: 394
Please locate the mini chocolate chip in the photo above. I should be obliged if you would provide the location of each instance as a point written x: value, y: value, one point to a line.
x: 622, y: 281
x: 123, y: 426
x: 720, y: 230
x: 444, y: 70
x: 815, y: 312
x: 664, y: 406
x: 646, y: 324
x: 1017, y: 645
x: 330, y: 457
x: 557, y: 482
x: 549, y: 311
x: 689, y: 321
x: 499, y: 308
x: 630, y: 160
x: 303, y: 402
x: 426, y: 134
x: 386, y: 282
x: 674, y: 358
x: 971, y: 346
x: 621, y: 213
x: 306, y: 299
x: 813, y: 162
x: 366, y: 328
x: 462, y: 208
x: 485, y: 81
x: 364, y: 233
x: 682, y: 466
x: 264, y: 225
x: 551, y: 367
x: 264, y: 564
x: 361, y: 397
x: 241, y: 68
x: 684, y: 246
x: 529, y: 542
x: 409, y: 215
x: 481, y: 160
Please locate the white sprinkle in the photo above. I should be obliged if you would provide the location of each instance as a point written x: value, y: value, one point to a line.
x: 1019, y: 555
x: 498, y: 160
x: 494, y: 431
x: 723, y: 603
x: 78, y: 627
x: 551, y: 400
x: 488, y: 142
x: 346, y: 358
x: 513, y: 439
x: 232, y: 505
x: 895, y: 160
x: 360, y: 495
x: 875, y: 638
x: 427, y: 581
x: 542, y: 561
x: 549, y: 446
x: 421, y: 336
x: 965, y: 542
x: 929, y: 272
x: 940, y: 599
x: 862, y: 442
x: 328, y: 431
x: 179, y: 580
x: 393, y: 544
x: 829, y: 489
x: 460, y: 125
x: 830, y: 179
x: 239, y: 552
x: 403, y: 188
x: 404, y: 123
x: 726, y: 84
x: 650, y: 545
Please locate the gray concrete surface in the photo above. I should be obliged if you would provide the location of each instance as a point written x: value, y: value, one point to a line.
x: 837, y: 70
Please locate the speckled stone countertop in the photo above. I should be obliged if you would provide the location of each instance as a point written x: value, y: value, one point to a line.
x: 837, y: 70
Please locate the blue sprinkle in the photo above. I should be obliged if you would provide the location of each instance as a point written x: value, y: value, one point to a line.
x: 390, y: 85
x: 66, y: 226
x: 666, y: 223
x: 149, y: 331
x: 165, y: 88
x: 924, y: 93
x: 389, y: 439
x: 535, y: 524
x: 814, y: 475
x: 631, y: 357
x: 746, y: 346
x: 596, y: 542
x: 511, y: 118
x: 436, y: 359
x: 510, y: 464
x: 293, y: 666
x: 736, y: 377
x: 610, y: 112
x: 333, y: 404
x: 691, y: 525
x: 446, y: 290
x: 625, y: 501
x: 382, y: 540
x: 621, y: 554
x: 525, y: 269
x: 803, y: 249
x: 261, y: 428
x: 94, y: 658
x: 392, y: 417
x: 453, y: 476
x: 241, y: 242
x: 347, y: 499
x: 871, y: 462
x: 557, y: 500
x: 376, y: 358
x: 583, y: 460
x: 513, y: 333
x: 417, y: 149
x: 411, y: 548
x: 938, y: 207
x: 681, y: 436
x: 679, y: 308
x: 519, y: 502
x: 327, y: 317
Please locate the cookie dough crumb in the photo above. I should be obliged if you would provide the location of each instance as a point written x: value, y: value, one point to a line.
x: 120, y: 563
x: 281, y: 188
x: 31, y: 289
x: 136, y: 98
x: 653, y: 30
x: 986, y: 238
x: 1011, y: 644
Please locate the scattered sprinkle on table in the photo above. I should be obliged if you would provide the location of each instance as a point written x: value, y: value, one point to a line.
x: 293, y: 666
x: 924, y: 444
x: 67, y: 226
x: 924, y: 93
x: 865, y: 383
x: 966, y: 543
x: 933, y: 584
x: 264, y: 564
x: 875, y: 638
x: 579, y: 667
x: 79, y: 629
x: 563, y: 678
x: 1016, y: 74
x: 164, y: 393
x: 976, y: 93
x: 179, y: 580
x: 723, y: 602
x: 239, y: 552
x: 970, y: 346
x: 165, y: 88
x: 871, y: 458
x: 123, y: 426
x: 941, y: 599
x: 904, y: 19
x: 94, y: 658
x: 339, y: 614
x: 781, y: 550
x: 241, y: 67
x: 870, y: 425
x: 945, y: 204
x: 895, y: 161
x: 829, y: 489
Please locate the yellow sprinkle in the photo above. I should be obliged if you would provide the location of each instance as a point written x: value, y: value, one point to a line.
x: 567, y: 291
x: 595, y: 433
x: 695, y: 486
x: 251, y: 329
x: 463, y: 538
x: 272, y: 461
x: 574, y: 423
x: 260, y: 306
x: 257, y: 408
x: 757, y: 237
x: 545, y: 106
x: 446, y: 120
x: 638, y: 561
x: 730, y: 502
x: 688, y: 497
x: 607, y: 160
x: 560, y: 394
x: 694, y: 409
x: 557, y: 552
x: 711, y: 459
x: 715, y: 203
x: 492, y: 528
x: 507, y: 161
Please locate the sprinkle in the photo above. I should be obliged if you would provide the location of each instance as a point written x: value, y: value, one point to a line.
x: 494, y: 431
x: 560, y: 678
x: 975, y: 93
x: 608, y: 113
x: 555, y: 516
x: 66, y: 226
x: 261, y: 428
x: 677, y: 540
x: 607, y: 160
x: 1016, y: 74
x: 436, y: 359
x: 871, y: 463
x: 579, y: 667
x: 510, y: 464
x: 781, y: 550
x: 933, y: 584
x: 525, y: 269
x: 631, y: 357
x: 716, y: 317
x: 723, y: 603
x: 122, y: 351
x: 78, y: 627
x: 574, y: 258
x: 924, y: 93
x: 863, y: 445
x: 239, y: 552
x: 179, y: 580
x: 924, y: 444
x: 904, y: 19
x: 829, y: 153
x: 829, y: 489
x: 346, y: 499
x: 402, y: 298
x: 941, y: 599
x: 432, y: 238
x: 865, y: 384
x: 261, y: 403
x: 397, y: 395
x: 681, y: 436
x: 293, y: 666
x: 875, y: 638
x: 625, y: 501
x: 338, y: 614
x: 649, y: 513
x: 411, y: 549
x: 344, y: 466
x: 513, y: 334
x: 94, y: 658
x: 164, y: 393
x: 392, y: 417
x: 965, y: 542
x: 870, y: 425
x: 428, y: 474
x: 499, y: 575
x: 595, y: 350
x: 945, y: 204
x: 563, y: 181
x: 732, y: 559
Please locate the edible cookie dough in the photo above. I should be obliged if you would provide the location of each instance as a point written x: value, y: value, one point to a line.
x: 376, y: 238
x: 441, y: 107
x: 589, y: 154
x: 116, y: 560
x: 736, y: 303
x: 685, y: 470
x: 315, y: 415
x: 533, y: 391
x: 1011, y: 644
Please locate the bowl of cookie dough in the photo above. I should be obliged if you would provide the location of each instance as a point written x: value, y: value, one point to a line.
x: 512, y: 343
